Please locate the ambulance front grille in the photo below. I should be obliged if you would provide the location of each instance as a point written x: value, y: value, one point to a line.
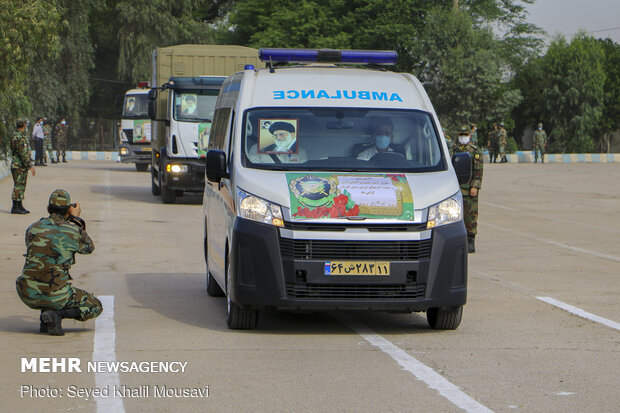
x: 302, y: 249
x: 355, y: 292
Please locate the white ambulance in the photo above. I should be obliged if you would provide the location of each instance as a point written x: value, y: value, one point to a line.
x: 330, y: 187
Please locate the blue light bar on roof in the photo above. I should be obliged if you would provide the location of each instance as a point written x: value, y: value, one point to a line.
x: 368, y: 57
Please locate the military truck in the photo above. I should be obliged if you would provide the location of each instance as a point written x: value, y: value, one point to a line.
x: 135, y: 131
x: 185, y: 83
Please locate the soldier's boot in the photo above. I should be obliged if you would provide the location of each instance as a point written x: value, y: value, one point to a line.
x: 18, y: 208
x: 64, y: 158
x: 42, y: 325
x: 57, y: 158
x: 471, y: 245
x: 53, y: 322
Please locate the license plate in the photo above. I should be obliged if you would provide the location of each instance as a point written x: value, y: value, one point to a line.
x: 357, y: 268
x: 146, y: 148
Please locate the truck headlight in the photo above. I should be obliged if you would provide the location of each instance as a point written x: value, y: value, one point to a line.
x: 257, y: 209
x: 175, y: 169
x: 446, y: 212
x: 124, y: 151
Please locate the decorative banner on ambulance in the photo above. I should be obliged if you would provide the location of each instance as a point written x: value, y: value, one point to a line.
x: 203, y: 138
x: 141, y: 131
x: 324, y: 195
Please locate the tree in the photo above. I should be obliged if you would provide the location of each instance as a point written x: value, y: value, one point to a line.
x: 564, y: 89
x: 610, y: 119
x: 27, y: 29
x: 461, y: 69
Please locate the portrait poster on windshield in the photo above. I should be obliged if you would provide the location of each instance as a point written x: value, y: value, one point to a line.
x: 326, y: 195
x: 141, y: 131
x: 204, y: 129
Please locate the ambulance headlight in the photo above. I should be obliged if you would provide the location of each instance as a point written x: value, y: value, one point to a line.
x: 124, y: 151
x: 257, y: 209
x: 446, y: 212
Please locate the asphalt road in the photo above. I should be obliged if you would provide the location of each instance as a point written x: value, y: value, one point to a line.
x: 548, y: 230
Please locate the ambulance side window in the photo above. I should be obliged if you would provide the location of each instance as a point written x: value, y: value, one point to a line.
x: 221, y: 120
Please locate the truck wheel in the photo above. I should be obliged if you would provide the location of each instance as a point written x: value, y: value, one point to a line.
x: 155, y: 188
x: 142, y: 167
x: 168, y: 196
x: 444, y: 319
x: 238, y: 318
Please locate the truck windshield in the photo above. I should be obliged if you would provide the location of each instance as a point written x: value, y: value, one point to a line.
x: 136, y: 106
x: 195, y: 105
x: 341, y: 139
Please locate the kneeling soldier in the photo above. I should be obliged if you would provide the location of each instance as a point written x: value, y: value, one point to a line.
x: 45, y: 283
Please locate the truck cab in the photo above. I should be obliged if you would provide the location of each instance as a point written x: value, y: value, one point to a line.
x: 135, y: 131
x: 179, y: 161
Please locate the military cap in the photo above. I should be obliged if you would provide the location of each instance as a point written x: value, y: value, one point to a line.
x: 464, y: 130
x: 60, y: 198
x: 281, y: 126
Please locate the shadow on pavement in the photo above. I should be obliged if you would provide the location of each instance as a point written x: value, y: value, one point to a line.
x: 183, y: 297
x: 143, y: 194
x: 30, y: 325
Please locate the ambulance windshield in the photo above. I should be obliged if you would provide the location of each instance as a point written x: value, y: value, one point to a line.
x: 341, y: 139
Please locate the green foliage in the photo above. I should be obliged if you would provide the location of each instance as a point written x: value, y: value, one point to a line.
x: 610, y: 121
x: 564, y: 90
x: 511, y: 145
x: 27, y: 30
x: 145, y: 25
x: 461, y: 70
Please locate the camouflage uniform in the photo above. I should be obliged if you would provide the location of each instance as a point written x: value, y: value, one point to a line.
x: 20, y: 164
x: 540, y: 141
x: 60, y: 135
x: 47, y: 143
x: 474, y: 134
x: 45, y: 283
x: 470, y: 203
x: 502, y: 143
x: 493, y: 143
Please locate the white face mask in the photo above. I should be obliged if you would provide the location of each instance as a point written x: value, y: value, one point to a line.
x: 464, y: 140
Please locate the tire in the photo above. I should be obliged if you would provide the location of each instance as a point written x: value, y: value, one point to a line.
x: 213, y: 288
x: 444, y: 319
x: 168, y: 196
x: 142, y: 167
x: 238, y: 318
x: 155, y: 189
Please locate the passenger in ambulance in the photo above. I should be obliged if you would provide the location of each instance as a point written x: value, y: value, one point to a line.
x: 382, y: 133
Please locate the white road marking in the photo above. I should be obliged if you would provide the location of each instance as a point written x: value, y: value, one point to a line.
x: 557, y: 244
x: 579, y: 312
x: 498, y: 206
x: 103, y: 350
x: 412, y: 365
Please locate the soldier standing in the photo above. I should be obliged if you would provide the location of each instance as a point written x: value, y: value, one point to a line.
x: 493, y: 143
x: 60, y: 133
x: 474, y: 134
x: 45, y: 283
x: 21, y: 163
x: 471, y: 189
x: 47, y: 142
x: 540, y: 142
x: 502, y: 143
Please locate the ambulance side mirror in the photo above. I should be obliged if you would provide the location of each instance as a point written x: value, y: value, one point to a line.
x: 216, y: 165
x: 462, y: 167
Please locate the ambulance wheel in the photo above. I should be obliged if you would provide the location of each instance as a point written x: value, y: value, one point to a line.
x: 142, y: 167
x: 238, y: 318
x: 444, y: 318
